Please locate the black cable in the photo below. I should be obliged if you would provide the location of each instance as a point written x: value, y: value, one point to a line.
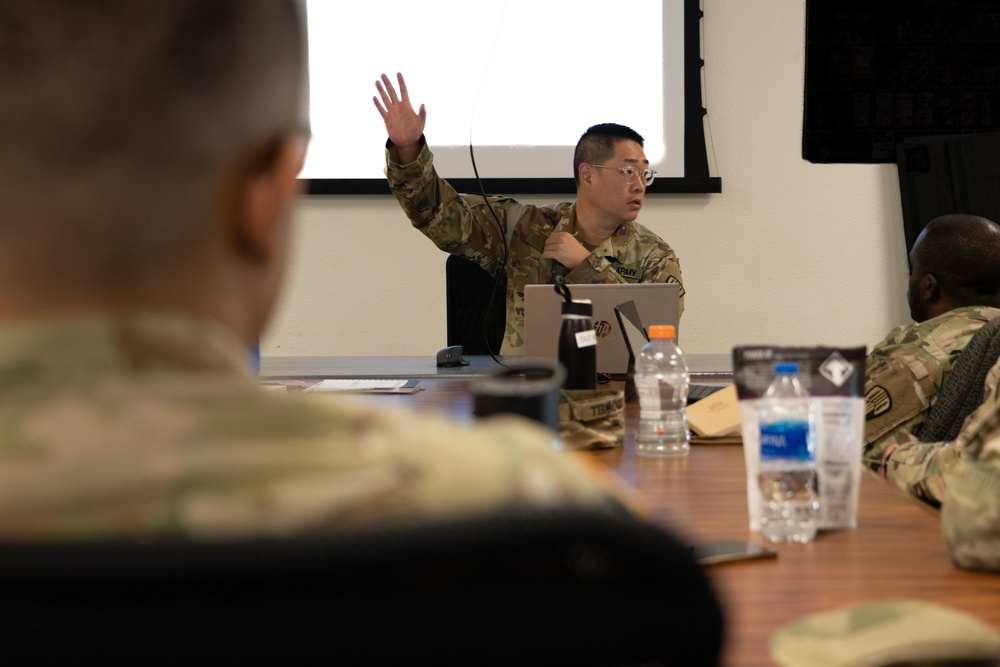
x: 503, y: 262
x: 500, y: 225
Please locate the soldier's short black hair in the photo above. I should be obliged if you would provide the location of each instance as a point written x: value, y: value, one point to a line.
x: 598, y: 144
x: 963, y: 252
x: 121, y: 119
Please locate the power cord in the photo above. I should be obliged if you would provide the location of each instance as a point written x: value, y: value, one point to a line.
x: 503, y: 262
x: 503, y: 230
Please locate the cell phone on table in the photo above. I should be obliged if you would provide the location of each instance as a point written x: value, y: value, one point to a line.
x: 724, y: 551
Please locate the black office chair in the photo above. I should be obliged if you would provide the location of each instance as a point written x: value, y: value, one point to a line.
x: 468, y: 289
x: 554, y: 587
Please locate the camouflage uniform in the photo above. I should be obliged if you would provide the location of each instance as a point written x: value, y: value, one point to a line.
x: 964, y: 477
x: 463, y: 225
x: 152, y: 424
x: 892, y: 632
x: 905, y: 372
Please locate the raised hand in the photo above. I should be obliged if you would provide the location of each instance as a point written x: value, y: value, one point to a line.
x: 403, y: 125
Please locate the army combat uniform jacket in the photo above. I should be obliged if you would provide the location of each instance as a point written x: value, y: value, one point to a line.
x: 964, y: 477
x: 152, y: 424
x: 905, y: 371
x: 463, y: 225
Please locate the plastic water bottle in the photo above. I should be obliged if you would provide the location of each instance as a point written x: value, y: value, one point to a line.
x: 789, y: 504
x: 661, y: 380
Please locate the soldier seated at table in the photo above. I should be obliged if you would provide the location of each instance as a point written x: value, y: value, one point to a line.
x: 595, y: 239
x: 149, y: 169
x: 954, y: 290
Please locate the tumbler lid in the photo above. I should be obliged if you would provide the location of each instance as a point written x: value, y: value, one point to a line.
x: 581, y: 307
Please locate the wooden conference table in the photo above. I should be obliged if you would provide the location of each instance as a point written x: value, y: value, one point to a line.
x: 896, y: 552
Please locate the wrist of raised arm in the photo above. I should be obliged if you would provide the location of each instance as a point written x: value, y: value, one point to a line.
x: 404, y: 156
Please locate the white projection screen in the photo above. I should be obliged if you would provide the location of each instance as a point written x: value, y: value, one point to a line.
x: 519, y: 80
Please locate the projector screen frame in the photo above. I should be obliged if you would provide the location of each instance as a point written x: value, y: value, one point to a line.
x: 696, y: 179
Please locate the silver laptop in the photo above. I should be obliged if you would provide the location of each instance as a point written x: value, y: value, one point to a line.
x: 657, y: 303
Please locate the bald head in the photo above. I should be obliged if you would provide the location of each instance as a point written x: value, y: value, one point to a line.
x: 955, y: 262
x: 121, y: 121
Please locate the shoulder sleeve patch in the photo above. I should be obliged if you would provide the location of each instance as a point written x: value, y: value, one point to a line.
x: 895, y: 395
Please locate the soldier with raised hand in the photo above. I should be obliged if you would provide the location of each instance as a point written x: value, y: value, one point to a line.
x: 594, y: 240
x: 150, y: 157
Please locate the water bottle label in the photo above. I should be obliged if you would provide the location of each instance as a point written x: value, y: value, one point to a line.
x: 586, y: 338
x: 785, y: 440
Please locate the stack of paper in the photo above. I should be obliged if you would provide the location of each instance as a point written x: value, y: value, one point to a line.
x: 368, y: 386
x: 286, y: 385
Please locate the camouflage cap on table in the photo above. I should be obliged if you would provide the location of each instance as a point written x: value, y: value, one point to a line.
x: 899, y: 632
x: 592, y: 418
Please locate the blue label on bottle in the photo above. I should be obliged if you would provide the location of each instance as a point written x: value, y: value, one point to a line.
x: 785, y: 440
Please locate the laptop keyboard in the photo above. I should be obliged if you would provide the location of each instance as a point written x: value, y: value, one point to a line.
x: 696, y: 392
x: 700, y: 391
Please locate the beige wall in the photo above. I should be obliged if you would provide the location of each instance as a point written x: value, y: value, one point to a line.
x: 789, y: 253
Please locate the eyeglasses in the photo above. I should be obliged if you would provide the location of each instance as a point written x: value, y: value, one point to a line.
x: 631, y: 173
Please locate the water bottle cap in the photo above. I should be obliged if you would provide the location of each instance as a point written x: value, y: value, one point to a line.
x: 579, y: 307
x: 662, y: 331
x: 786, y: 368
